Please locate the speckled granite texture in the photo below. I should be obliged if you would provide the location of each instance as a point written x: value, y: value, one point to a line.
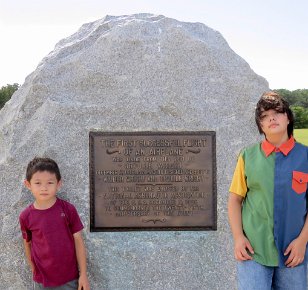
x: 129, y: 73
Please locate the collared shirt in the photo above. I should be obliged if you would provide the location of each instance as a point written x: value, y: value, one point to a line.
x: 273, y: 182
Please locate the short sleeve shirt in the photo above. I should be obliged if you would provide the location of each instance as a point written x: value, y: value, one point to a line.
x: 52, y: 244
x: 273, y: 182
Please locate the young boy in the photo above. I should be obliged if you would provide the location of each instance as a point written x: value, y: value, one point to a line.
x: 268, y: 203
x: 52, y: 232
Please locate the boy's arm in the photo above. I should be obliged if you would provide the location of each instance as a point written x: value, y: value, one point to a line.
x: 82, y: 261
x: 241, y: 243
x: 297, y: 248
x: 27, y: 246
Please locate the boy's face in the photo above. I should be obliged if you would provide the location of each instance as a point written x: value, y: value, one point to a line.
x: 44, y: 186
x: 274, y: 123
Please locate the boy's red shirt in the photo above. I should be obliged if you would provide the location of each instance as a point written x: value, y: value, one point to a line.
x: 52, y: 243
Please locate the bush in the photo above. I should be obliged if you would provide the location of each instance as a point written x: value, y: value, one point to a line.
x: 6, y: 93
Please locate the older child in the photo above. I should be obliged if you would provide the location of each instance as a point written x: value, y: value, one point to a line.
x: 51, y: 229
x: 268, y: 203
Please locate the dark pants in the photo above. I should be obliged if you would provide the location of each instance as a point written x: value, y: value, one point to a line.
x: 72, y: 285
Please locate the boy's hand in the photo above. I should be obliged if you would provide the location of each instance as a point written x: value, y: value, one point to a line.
x: 296, y: 251
x: 241, y: 245
x: 83, y: 283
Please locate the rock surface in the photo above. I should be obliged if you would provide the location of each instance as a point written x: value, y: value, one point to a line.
x: 130, y: 73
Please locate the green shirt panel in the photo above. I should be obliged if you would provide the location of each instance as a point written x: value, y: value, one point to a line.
x: 258, y: 205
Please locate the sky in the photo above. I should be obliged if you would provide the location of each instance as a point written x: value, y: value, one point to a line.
x: 271, y: 35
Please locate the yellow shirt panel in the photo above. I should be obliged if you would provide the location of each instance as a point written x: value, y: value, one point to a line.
x: 238, y: 184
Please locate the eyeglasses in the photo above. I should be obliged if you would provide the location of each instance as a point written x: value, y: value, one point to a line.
x: 266, y: 116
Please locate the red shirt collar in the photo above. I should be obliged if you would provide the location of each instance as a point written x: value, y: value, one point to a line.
x: 285, y: 148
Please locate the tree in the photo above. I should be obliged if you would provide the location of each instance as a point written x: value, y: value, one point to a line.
x: 301, y: 117
x: 298, y: 101
x: 295, y: 98
x: 6, y: 93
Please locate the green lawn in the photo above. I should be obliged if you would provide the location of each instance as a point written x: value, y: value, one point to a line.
x: 301, y: 135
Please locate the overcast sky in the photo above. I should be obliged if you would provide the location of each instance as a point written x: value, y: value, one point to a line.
x: 271, y: 35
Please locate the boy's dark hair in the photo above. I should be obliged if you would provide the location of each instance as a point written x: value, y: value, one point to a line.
x: 273, y: 101
x: 42, y: 164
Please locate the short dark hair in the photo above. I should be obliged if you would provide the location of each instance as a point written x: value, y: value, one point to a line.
x: 42, y: 164
x: 273, y: 101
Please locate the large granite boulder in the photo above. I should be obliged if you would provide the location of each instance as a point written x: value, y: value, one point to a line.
x: 130, y: 73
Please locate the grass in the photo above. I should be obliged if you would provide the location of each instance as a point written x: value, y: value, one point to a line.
x: 301, y: 135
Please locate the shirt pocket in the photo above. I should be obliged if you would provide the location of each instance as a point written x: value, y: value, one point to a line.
x: 299, y: 182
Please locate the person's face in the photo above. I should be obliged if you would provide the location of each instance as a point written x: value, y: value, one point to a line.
x: 43, y: 185
x: 274, y: 123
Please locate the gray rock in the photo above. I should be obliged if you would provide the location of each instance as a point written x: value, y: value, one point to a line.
x: 130, y: 73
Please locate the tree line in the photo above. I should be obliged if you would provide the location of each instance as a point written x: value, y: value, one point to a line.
x: 6, y: 92
x: 297, y: 99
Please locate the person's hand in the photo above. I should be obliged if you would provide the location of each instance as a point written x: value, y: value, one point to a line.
x: 296, y: 251
x: 241, y: 245
x: 83, y: 283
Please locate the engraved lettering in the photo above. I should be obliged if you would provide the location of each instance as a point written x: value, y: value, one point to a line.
x: 152, y: 180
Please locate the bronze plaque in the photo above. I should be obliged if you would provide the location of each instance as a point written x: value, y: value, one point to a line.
x: 153, y: 181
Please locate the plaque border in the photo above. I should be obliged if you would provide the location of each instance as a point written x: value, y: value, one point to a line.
x: 93, y: 134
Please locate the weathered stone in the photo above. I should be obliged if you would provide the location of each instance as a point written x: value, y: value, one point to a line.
x: 130, y: 73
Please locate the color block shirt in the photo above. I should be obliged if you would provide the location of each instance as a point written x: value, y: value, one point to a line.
x: 273, y: 182
x: 52, y: 244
